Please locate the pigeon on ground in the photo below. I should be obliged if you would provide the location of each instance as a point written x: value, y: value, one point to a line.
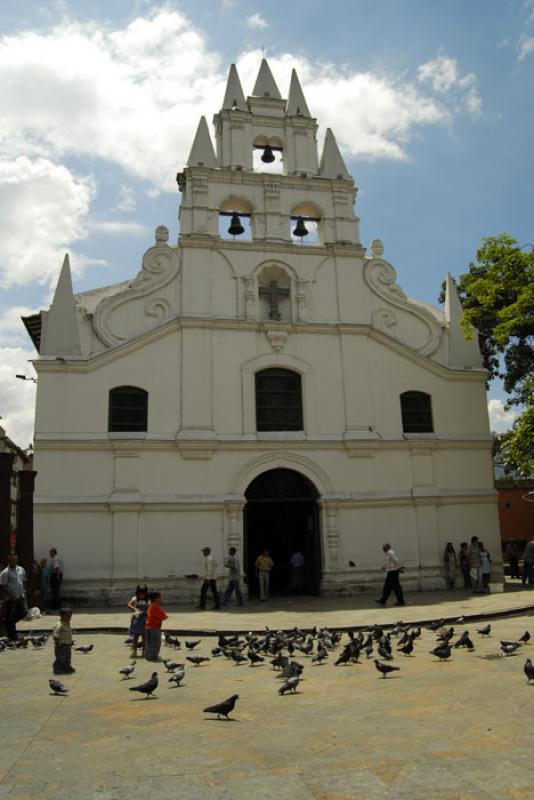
x: 529, y: 670
x: 383, y: 652
x: 509, y: 648
x: 407, y: 649
x: 126, y: 672
x: 84, y: 648
x: 433, y: 626
x: 525, y: 638
x: 238, y: 659
x: 443, y: 652
x: 254, y: 658
x: 447, y: 636
x: 290, y: 685
x: 57, y: 687
x: 178, y: 676
x: 147, y: 688
x: 320, y: 656
x: 197, y: 660
x: 192, y: 645
x: 224, y: 708
x: 170, y: 666
x: 279, y: 662
x: 385, y: 668
x: 485, y: 631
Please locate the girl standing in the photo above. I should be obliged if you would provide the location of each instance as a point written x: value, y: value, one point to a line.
x: 449, y: 559
x: 138, y: 604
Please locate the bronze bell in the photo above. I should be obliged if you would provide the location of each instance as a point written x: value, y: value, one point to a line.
x: 236, y: 229
x: 267, y: 155
x: 300, y: 228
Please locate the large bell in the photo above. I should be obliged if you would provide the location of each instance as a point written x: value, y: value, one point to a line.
x: 235, y: 229
x: 300, y: 229
x: 267, y: 156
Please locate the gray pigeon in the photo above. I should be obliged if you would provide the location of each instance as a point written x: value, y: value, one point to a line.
x: 224, y: 708
x: 196, y: 660
x: 178, y: 676
x: 147, y: 688
x: 127, y: 672
x: 385, y: 668
x: 485, y: 631
x: 290, y: 685
x: 443, y: 652
x: 84, y: 648
x: 509, y: 648
x: 57, y: 687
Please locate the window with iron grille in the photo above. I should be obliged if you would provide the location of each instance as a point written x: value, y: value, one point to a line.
x: 128, y: 409
x: 416, y: 412
x: 278, y: 400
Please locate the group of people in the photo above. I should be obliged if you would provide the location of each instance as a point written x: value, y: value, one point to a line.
x: 474, y: 562
x: 513, y: 555
x: 13, y: 589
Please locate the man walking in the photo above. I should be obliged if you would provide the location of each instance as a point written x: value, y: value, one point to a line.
x: 12, y: 580
x: 56, y: 576
x: 512, y: 554
x: 234, y: 576
x: 209, y: 582
x: 392, y: 582
x: 528, y: 562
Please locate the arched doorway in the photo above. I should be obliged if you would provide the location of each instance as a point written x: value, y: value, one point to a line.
x: 281, y: 514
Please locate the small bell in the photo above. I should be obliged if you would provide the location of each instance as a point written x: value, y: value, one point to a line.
x: 267, y: 155
x: 300, y: 229
x: 236, y: 229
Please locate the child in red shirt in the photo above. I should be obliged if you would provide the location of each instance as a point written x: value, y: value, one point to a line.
x: 154, y: 617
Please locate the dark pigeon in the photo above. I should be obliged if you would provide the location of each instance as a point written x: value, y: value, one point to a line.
x: 525, y: 638
x: 84, y: 649
x: 385, y: 668
x: 224, y: 708
x: 197, y: 660
x: 57, y: 687
x: 147, y: 688
x: 485, y: 631
x: 529, y: 670
x: 443, y: 652
x: 290, y: 685
x: 192, y: 645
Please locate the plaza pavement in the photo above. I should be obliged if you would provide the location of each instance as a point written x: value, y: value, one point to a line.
x: 458, y: 730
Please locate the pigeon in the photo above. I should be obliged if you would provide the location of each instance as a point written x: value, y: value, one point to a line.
x: 178, y: 675
x: 443, y: 652
x: 525, y: 638
x: 224, y: 708
x: 126, y: 672
x: 197, y: 660
x: 529, y: 670
x: 170, y: 666
x: 237, y: 658
x: 384, y: 653
x: 385, y: 668
x: 321, y: 655
x: 509, y: 648
x: 192, y: 645
x: 279, y: 662
x: 485, y: 631
x: 433, y: 626
x: 447, y: 636
x: 147, y: 688
x: 57, y: 687
x: 407, y: 648
x: 254, y: 658
x: 290, y: 685
x: 84, y: 649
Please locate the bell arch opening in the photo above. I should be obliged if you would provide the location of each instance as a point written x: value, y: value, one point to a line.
x: 282, y: 515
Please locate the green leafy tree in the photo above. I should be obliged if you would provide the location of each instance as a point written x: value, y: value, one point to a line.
x: 498, y: 299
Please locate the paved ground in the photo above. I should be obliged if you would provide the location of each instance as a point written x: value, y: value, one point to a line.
x: 460, y: 730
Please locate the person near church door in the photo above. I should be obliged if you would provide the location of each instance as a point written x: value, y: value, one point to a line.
x: 12, y: 581
x: 56, y: 576
x: 451, y: 563
x: 264, y: 565
x: 475, y: 565
x: 209, y: 582
x: 297, y: 580
x: 232, y: 563
x: 392, y: 582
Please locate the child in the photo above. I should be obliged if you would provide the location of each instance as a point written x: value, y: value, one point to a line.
x: 138, y: 604
x: 62, y: 634
x: 154, y: 617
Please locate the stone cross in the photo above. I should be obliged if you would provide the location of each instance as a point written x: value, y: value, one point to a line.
x: 273, y: 291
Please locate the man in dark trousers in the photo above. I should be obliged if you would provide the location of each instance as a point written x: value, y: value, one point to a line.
x: 392, y: 582
x: 209, y: 582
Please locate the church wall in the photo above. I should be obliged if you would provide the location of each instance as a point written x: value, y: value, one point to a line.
x: 458, y: 522
x: 170, y: 541
x: 82, y: 537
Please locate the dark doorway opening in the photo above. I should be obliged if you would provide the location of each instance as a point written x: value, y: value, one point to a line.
x: 281, y: 515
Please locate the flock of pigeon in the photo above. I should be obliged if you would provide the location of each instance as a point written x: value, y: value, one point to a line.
x: 280, y: 650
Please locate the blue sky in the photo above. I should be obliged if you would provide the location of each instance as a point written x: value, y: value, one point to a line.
x: 431, y: 103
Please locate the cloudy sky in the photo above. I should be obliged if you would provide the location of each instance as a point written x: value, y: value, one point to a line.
x: 431, y: 103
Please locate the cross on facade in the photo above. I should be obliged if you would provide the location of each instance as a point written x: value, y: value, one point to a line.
x: 273, y: 292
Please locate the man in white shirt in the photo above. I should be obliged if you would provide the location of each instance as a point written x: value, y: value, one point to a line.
x: 12, y: 580
x: 392, y: 582
x: 209, y: 582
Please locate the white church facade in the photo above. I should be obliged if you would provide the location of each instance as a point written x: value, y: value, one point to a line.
x: 263, y: 388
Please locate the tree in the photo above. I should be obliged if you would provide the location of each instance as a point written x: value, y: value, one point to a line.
x: 497, y: 295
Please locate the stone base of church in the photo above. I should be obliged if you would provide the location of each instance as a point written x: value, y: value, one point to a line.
x: 107, y: 593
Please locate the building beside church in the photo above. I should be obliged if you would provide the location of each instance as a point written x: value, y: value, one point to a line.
x: 264, y: 382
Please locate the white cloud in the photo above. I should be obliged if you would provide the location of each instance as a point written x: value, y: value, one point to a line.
x: 122, y: 228
x: 501, y: 419
x: 43, y: 208
x: 526, y: 46
x: 444, y: 76
x: 257, y: 21
x: 126, y: 199
x: 12, y: 331
x: 17, y: 398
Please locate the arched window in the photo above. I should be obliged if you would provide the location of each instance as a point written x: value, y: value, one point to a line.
x: 278, y: 400
x: 128, y: 409
x: 416, y: 409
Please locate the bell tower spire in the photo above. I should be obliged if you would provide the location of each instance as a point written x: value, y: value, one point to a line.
x: 202, y: 153
x: 296, y: 102
x: 332, y: 164
x: 265, y: 85
x: 234, y: 97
